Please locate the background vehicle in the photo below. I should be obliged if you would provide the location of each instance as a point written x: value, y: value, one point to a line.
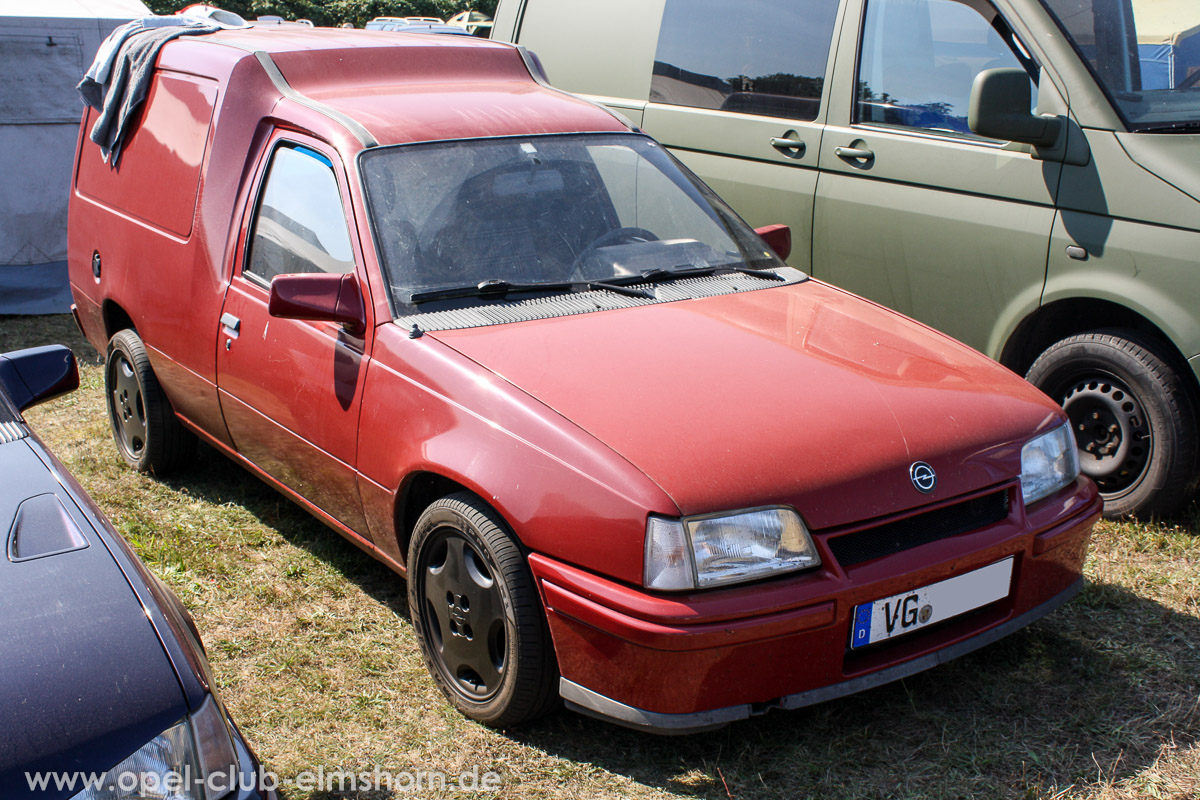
x: 416, y: 25
x: 895, y: 138
x: 513, y: 349
x: 385, y: 23
x: 103, y: 668
x: 475, y: 22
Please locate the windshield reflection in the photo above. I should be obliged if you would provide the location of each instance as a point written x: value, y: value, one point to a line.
x: 1144, y: 53
x: 514, y: 214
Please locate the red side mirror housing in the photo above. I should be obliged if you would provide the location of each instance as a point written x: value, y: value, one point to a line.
x: 778, y: 238
x: 322, y: 296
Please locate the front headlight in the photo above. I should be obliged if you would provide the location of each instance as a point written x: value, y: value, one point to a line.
x: 717, y: 549
x: 192, y: 760
x: 1048, y: 463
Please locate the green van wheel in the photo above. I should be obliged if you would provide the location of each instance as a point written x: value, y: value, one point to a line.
x: 1133, y: 418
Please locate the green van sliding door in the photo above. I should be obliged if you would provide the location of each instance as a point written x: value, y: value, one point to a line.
x: 912, y: 209
x: 736, y: 93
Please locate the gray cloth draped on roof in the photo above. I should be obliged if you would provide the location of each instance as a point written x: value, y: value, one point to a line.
x: 119, y: 78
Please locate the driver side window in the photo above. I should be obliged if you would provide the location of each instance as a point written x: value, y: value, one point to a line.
x: 299, y: 225
x: 919, y: 59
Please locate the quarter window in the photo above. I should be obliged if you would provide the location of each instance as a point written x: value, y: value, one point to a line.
x: 299, y: 225
x: 919, y: 59
x: 766, y: 57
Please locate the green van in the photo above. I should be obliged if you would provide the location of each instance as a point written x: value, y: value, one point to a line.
x: 1022, y: 174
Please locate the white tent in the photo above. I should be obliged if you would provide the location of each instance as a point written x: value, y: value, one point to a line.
x: 45, y: 47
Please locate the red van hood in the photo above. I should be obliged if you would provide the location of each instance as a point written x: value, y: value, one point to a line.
x: 802, y: 395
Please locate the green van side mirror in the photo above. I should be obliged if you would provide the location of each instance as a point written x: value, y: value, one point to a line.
x: 999, y: 109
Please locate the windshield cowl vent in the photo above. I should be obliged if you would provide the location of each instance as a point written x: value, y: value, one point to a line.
x: 480, y: 312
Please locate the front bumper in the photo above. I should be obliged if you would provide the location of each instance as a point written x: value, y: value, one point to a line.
x: 585, y: 701
x: 688, y: 663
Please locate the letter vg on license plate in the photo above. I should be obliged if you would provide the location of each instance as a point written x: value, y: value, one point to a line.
x: 910, y: 611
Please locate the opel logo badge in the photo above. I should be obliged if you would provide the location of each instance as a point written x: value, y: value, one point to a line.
x: 923, y: 477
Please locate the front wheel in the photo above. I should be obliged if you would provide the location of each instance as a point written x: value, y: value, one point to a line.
x: 1132, y: 414
x: 148, y: 434
x: 477, y: 615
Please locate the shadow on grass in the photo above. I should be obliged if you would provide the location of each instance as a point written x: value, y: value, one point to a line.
x: 216, y: 479
x: 1087, y: 696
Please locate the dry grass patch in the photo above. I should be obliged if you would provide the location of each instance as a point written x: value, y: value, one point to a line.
x: 315, y: 655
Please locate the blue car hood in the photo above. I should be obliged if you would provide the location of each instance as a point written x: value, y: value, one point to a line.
x: 84, y: 678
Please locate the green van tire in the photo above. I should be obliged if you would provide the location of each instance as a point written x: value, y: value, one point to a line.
x: 1133, y: 417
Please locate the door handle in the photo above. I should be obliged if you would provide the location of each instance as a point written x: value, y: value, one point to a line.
x: 854, y: 153
x: 789, y: 144
x: 230, y: 326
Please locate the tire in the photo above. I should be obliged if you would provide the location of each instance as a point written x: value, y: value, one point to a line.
x: 148, y: 434
x: 477, y: 615
x: 1133, y: 415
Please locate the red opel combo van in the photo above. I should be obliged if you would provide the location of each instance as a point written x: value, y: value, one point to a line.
x: 625, y: 457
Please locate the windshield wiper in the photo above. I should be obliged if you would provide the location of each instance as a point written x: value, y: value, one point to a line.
x: 499, y: 289
x: 486, y: 289
x: 619, y: 288
x: 765, y: 274
x: 659, y: 274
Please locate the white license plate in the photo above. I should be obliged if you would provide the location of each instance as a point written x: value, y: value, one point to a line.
x: 910, y: 611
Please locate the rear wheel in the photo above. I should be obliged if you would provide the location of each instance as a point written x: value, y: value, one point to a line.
x: 1132, y: 414
x: 477, y: 615
x: 148, y: 434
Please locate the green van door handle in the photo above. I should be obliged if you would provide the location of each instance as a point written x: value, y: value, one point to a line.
x: 854, y: 153
x: 789, y: 144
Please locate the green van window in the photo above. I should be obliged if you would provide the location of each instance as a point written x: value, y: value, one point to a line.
x: 919, y: 58
x: 764, y: 58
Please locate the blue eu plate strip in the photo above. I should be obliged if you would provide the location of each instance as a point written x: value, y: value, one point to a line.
x: 862, y: 625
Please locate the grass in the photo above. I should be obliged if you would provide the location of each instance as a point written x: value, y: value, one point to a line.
x: 315, y: 656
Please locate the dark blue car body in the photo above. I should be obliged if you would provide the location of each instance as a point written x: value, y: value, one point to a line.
x: 97, y: 656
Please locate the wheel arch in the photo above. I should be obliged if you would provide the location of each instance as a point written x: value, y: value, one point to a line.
x: 116, y: 318
x: 1072, y: 316
x: 420, y: 490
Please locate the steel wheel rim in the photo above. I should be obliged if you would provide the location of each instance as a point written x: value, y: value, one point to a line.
x: 1112, y: 432
x: 128, y: 409
x: 463, y: 616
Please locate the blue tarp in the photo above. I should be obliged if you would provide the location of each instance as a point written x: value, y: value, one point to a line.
x: 1165, y: 65
x: 35, y: 289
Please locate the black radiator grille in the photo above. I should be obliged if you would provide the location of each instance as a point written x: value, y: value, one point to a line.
x: 904, y: 534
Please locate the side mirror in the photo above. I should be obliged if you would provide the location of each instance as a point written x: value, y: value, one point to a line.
x: 322, y: 296
x: 778, y: 238
x: 999, y: 109
x: 38, y: 374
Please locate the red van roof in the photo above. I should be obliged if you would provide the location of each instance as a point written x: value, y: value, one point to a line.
x: 417, y: 87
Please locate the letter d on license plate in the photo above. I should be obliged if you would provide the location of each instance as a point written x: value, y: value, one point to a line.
x: 910, y: 611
